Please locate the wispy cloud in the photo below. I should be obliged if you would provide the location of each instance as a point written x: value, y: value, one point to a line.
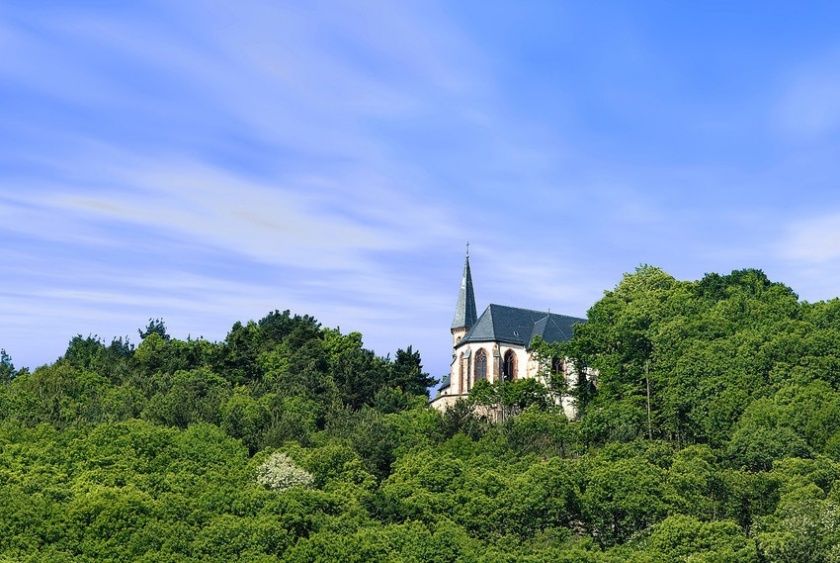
x: 245, y: 144
x: 207, y: 163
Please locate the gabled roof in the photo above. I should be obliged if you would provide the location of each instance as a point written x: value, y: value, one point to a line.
x: 513, y: 325
x: 465, y: 311
x: 444, y: 382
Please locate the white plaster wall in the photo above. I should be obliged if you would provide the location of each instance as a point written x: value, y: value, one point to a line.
x: 443, y: 402
x: 527, y: 366
x: 469, y: 369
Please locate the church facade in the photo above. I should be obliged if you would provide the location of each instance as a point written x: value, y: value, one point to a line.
x: 496, y: 345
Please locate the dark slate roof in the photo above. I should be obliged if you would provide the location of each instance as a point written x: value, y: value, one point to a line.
x: 444, y: 381
x: 465, y: 312
x: 512, y: 325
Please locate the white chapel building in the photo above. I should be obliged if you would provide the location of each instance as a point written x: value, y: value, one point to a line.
x: 496, y: 345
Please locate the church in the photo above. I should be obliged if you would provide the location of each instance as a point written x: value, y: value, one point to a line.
x: 496, y: 345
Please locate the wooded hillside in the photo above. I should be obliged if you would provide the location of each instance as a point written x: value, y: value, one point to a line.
x: 713, y: 435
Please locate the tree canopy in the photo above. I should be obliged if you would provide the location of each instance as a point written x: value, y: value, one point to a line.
x: 710, y: 431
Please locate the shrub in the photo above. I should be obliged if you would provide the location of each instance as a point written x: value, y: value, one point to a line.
x: 280, y: 472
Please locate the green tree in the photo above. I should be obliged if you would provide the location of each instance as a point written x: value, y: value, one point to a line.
x: 540, y: 432
x: 544, y: 496
x: 7, y: 368
x: 505, y: 399
x: 59, y: 394
x: 246, y: 418
x: 693, y: 483
x: 358, y: 373
x: 681, y: 538
x: 407, y: 373
x: 192, y: 396
x: 372, y: 435
x: 155, y: 326
x: 622, y: 497
x: 291, y: 418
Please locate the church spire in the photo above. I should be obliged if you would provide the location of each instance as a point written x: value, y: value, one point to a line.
x: 465, y: 313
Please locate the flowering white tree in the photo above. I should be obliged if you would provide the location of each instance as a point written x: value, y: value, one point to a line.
x: 280, y: 472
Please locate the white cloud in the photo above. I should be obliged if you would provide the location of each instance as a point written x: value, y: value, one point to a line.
x: 296, y: 224
x: 334, y: 221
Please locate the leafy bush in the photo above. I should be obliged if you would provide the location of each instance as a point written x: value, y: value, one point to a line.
x: 280, y: 472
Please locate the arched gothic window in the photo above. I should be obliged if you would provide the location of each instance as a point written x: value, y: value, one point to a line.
x: 557, y: 365
x: 509, y: 366
x: 480, y: 365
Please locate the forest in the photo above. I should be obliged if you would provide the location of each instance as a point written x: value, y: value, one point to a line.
x: 712, y: 434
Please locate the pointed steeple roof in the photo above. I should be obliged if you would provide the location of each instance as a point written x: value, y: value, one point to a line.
x: 465, y: 312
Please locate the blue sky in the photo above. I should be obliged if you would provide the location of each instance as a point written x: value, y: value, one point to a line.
x: 210, y: 162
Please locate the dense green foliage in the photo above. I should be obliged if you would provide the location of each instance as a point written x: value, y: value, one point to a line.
x: 712, y: 434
